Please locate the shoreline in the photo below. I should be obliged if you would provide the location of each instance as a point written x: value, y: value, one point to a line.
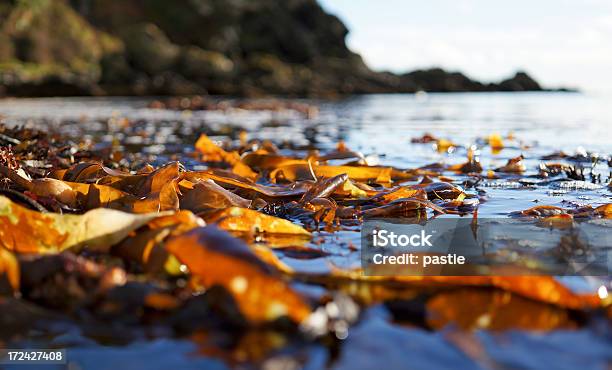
x: 334, y: 97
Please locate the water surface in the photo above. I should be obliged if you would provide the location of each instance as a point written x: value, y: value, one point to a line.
x: 381, y: 127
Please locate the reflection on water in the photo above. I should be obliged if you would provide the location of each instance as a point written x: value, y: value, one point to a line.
x: 555, y: 120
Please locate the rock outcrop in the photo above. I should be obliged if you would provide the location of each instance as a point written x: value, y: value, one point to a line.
x: 153, y: 47
x: 438, y: 80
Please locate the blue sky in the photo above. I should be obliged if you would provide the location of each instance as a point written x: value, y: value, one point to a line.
x: 560, y: 42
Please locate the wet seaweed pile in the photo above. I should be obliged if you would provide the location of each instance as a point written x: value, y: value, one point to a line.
x: 249, y: 247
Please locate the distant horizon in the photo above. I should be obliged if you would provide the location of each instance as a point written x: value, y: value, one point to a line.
x: 558, y: 43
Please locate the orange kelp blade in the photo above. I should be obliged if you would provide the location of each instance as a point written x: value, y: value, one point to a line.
x: 514, y: 165
x: 543, y: 211
x: 324, y: 188
x: 293, y: 172
x: 91, y: 196
x: 216, y: 258
x: 231, y: 180
x: 546, y: 211
x: 26, y: 231
x: 540, y: 288
x: 250, y: 221
x: 206, y: 195
x: 45, y: 187
x: 269, y: 161
x: 493, y: 309
x: 213, y: 153
x: 9, y: 267
x: 605, y: 210
x: 86, y: 172
x: 156, y: 180
x: 387, y: 196
x: 146, y: 247
x: 496, y: 142
x: 400, y: 207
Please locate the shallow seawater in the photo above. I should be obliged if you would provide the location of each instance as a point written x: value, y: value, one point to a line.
x: 520, y: 334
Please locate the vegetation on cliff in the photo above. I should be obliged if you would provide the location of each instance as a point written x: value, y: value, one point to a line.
x: 114, y: 47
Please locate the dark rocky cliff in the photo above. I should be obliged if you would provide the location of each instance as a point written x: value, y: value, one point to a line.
x: 240, y: 47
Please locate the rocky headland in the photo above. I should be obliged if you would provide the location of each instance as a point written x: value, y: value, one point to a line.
x: 186, y: 47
